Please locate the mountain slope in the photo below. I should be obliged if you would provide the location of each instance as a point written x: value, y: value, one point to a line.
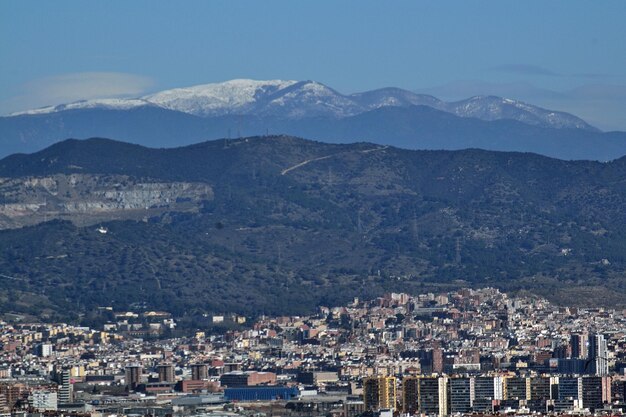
x: 396, y: 97
x: 230, y: 97
x: 290, y: 224
x: 247, y: 107
x: 422, y: 127
x: 303, y: 99
x: 411, y: 127
x: 498, y: 108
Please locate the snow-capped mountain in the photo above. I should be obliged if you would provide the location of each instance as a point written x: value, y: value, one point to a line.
x: 392, y: 96
x: 287, y: 99
x: 496, y: 108
x: 230, y: 97
x: 306, y: 99
x: 102, y: 103
x: 309, y: 109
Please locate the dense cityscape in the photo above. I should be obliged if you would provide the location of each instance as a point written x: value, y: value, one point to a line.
x: 468, y: 351
x: 312, y: 208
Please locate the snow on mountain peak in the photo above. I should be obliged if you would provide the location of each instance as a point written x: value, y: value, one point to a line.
x: 217, y: 98
x: 302, y: 99
x: 497, y: 108
x: 310, y: 99
x: 101, y: 103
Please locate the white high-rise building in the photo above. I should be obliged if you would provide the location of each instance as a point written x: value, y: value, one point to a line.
x: 44, y: 350
x: 43, y: 400
x: 66, y: 390
x: 598, y: 355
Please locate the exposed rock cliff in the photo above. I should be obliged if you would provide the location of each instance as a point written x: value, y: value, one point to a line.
x: 87, y: 199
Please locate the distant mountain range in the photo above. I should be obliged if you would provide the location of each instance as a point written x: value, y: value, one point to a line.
x: 389, y: 116
x: 306, y: 99
x: 279, y: 225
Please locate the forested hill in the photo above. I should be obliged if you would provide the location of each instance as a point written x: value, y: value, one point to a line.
x: 289, y: 224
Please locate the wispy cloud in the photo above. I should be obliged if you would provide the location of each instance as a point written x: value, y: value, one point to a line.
x: 525, y: 69
x: 592, y: 75
x: 66, y: 88
x: 536, y: 70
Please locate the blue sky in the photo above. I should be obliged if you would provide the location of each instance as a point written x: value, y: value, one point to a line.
x: 567, y: 55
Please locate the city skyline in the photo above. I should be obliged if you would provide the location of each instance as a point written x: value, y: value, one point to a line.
x: 234, y: 208
x: 444, y: 353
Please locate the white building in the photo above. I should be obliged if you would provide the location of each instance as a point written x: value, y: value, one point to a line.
x: 43, y: 400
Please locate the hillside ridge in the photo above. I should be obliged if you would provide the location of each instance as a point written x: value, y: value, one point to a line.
x: 249, y: 226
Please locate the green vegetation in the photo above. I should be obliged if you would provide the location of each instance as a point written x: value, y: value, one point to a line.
x: 352, y: 224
